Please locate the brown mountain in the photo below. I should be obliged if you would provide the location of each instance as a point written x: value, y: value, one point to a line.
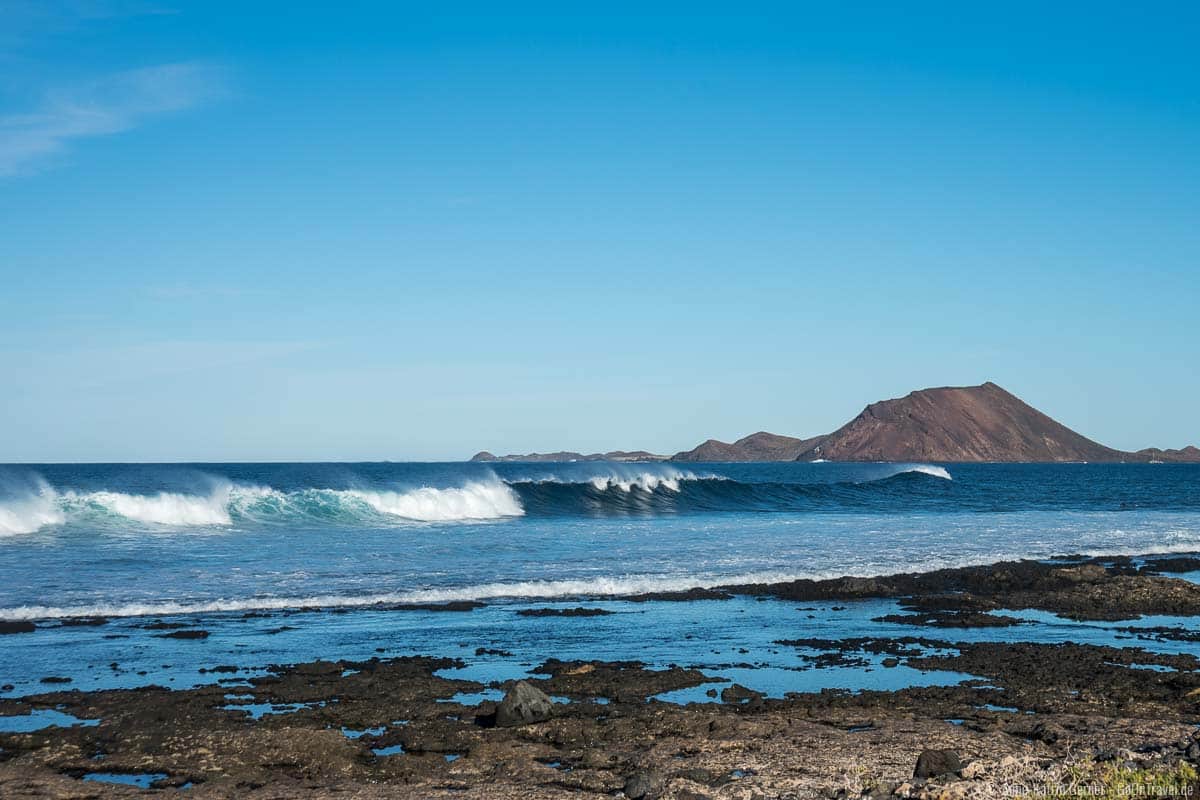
x: 761, y: 446
x: 1189, y: 453
x: 966, y: 423
x: 951, y: 423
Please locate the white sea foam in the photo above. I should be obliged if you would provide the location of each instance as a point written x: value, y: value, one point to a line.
x: 926, y: 469
x: 226, y: 504
x: 609, y: 586
x: 31, y: 512
x: 533, y: 589
x: 491, y: 500
x: 164, y: 508
x: 626, y: 479
x: 645, y: 481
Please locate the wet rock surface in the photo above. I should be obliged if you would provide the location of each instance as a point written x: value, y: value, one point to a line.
x: 1034, y: 715
x: 563, y: 612
x: 1088, y: 589
x: 805, y: 744
x: 523, y: 705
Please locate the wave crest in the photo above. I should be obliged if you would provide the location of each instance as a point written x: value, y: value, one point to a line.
x: 646, y: 481
x: 164, y: 508
x: 473, y: 501
x: 33, y: 512
x: 926, y: 469
x: 613, y: 491
x: 229, y: 504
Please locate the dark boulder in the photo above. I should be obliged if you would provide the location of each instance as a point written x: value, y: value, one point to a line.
x: 738, y: 694
x: 643, y: 785
x: 523, y: 705
x: 933, y: 763
x: 17, y: 627
x: 563, y: 612
x: 191, y: 634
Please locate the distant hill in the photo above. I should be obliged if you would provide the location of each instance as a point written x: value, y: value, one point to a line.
x: 566, y: 455
x: 950, y: 423
x: 967, y: 423
x: 1189, y: 453
x: 761, y: 446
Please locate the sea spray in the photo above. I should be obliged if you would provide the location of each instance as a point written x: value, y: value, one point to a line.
x: 475, y: 501
x: 924, y: 469
x: 615, y: 491
x: 163, y: 508
x: 30, y: 512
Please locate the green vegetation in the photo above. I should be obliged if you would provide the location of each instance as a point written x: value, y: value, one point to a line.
x: 1119, y: 781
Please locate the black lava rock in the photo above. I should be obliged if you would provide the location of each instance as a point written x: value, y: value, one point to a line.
x: 643, y: 785
x: 934, y: 763
x: 197, y: 634
x: 523, y: 705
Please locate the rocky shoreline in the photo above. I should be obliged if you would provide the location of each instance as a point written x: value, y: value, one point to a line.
x: 1030, y: 717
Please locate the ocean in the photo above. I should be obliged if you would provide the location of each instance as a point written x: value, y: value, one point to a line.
x: 279, y: 563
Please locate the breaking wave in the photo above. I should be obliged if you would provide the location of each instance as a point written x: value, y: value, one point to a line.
x: 228, y: 505
x: 473, y: 501
x: 164, y: 508
x: 29, y: 513
x: 620, y: 492
x: 684, y: 492
x: 927, y: 469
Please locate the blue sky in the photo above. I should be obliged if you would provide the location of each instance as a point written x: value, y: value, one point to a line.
x: 395, y: 231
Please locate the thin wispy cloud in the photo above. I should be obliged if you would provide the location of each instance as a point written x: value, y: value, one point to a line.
x: 104, y: 106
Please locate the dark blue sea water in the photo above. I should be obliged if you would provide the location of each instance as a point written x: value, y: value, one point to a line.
x: 206, y: 543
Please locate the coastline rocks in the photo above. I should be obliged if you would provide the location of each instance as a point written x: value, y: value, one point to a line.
x: 740, y: 695
x: 339, y: 728
x: 1082, y: 591
x: 952, y: 619
x: 190, y: 634
x: 935, y: 763
x: 523, y: 705
x: 16, y: 627
x: 449, y: 606
x: 617, y: 681
x: 1175, y: 564
x: 564, y: 612
x: 684, y: 596
x: 643, y: 785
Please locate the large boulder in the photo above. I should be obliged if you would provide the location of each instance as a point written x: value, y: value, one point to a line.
x: 934, y: 763
x: 739, y: 695
x: 523, y: 705
x: 644, y: 785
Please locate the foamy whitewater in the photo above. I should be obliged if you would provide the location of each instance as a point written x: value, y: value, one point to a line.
x: 134, y: 540
x: 492, y: 498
